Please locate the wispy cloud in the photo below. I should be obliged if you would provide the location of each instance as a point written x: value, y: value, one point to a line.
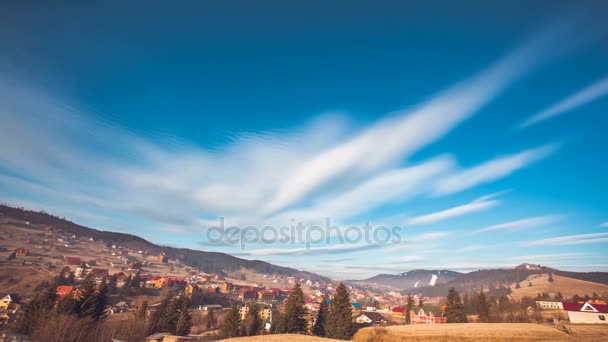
x: 604, y: 225
x: 491, y: 170
x: 578, y: 239
x: 580, y: 98
x: 521, y: 224
x: 314, y: 250
x: 479, y: 204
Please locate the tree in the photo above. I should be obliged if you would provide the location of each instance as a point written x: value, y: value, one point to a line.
x: 253, y: 324
x: 550, y: 277
x: 209, y: 324
x: 102, y: 301
x: 420, y: 302
x: 231, y: 326
x: 339, y: 318
x: 295, y: 312
x: 454, y: 308
x: 517, y: 286
x: 409, y: 306
x: 155, y: 320
x: 483, y: 307
x: 86, y: 305
x: 112, y: 282
x: 319, y: 327
x: 279, y: 326
x: 184, y: 321
x: 142, y: 311
x: 136, y: 282
x: 530, y: 284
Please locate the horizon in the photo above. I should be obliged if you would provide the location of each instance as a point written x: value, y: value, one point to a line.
x: 464, y: 137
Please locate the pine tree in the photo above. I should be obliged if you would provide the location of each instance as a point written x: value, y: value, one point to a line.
x: 279, y: 326
x: 339, y: 318
x: 253, y: 324
x: 319, y: 326
x: 136, y: 282
x: 112, y: 283
x: 517, y: 286
x: 295, y: 312
x: 420, y: 302
x: 102, y: 301
x: 231, y: 326
x: 87, y: 302
x: 31, y: 316
x: 184, y: 321
x: 142, y: 311
x: 530, y: 284
x: 483, y: 307
x: 550, y: 277
x: 155, y: 324
x: 68, y: 306
x: 170, y: 316
x: 71, y: 278
x: 210, y: 320
x: 409, y: 306
x: 454, y: 308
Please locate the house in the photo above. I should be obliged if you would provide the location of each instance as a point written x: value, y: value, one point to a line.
x: 225, y: 287
x: 6, y: 302
x: 370, y: 318
x: 99, y: 272
x: 212, y: 307
x: 247, y: 294
x: 163, y: 259
x: 73, y: 260
x: 63, y: 291
x: 22, y: 252
x: 549, y: 305
x: 586, y: 312
x: 423, y: 318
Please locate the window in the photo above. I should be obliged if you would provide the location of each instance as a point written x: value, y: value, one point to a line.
x: 602, y: 317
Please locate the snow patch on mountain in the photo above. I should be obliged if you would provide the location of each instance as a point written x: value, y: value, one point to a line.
x: 433, y: 280
x: 416, y: 285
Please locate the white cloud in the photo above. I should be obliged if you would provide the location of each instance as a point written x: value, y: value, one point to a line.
x: 605, y: 224
x: 521, y: 224
x: 479, y: 204
x: 580, y: 98
x: 491, y: 170
x: 579, y: 239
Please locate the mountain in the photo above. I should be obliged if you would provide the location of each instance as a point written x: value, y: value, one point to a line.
x: 412, y: 279
x: 207, y: 261
x: 496, y: 278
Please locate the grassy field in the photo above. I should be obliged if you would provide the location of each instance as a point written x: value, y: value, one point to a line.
x: 282, y: 337
x: 567, y: 286
x: 463, y: 332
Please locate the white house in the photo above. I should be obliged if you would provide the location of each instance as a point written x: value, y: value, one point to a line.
x: 586, y: 312
x: 370, y: 318
x: 549, y: 305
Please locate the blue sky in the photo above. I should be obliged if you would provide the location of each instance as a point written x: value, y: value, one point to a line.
x: 479, y: 130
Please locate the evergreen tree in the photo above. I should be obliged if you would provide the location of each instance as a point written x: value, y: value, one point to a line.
x: 68, y: 306
x: 319, y: 328
x: 31, y: 316
x: 210, y: 320
x: 142, y: 310
x: 339, y: 318
x: 112, y: 283
x: 252, y: 325
x: 184, y: 321
x: 102, y: 301
x: 231, y: 326
x: 530, y: 284
x: 483, y: 307
x: 279, y: 326
x: 136, y: 282
x: 409, y: 306
x: 517, y: 286
x: 550, y: 277
x: 295, y: 312
x: 155, y: 324
x: 86, y: 305
x: 454, y: 308
x: 420, y: 302
x: 71, y: 278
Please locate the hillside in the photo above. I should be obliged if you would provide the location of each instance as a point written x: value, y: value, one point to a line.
x: 568, y: 287
x: 208, y: 261
x: 412, y: 279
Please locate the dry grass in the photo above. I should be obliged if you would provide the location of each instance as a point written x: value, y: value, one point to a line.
x: 567, y: 286
x: 281, y: 338
x: 463, y: 332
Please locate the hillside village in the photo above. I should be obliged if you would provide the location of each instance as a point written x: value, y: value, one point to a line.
x: 36, y: 256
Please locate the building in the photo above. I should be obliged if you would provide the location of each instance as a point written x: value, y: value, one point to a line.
x: 586, y: 312
x: 163, y: 259
x: 549, y: 305
x: 247, y: 294
x: 423, y: 318
x: 63, y: 291
x: 5, y: 303
x: 73, y: 260
x: 22, y: 252
x: 370, y: 318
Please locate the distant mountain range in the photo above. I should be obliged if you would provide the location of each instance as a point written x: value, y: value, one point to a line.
x: 412, y: 279
x: 437, y: 282
x: 207, y: 261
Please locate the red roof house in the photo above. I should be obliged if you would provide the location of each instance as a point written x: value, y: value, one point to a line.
x: 587, y: 312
